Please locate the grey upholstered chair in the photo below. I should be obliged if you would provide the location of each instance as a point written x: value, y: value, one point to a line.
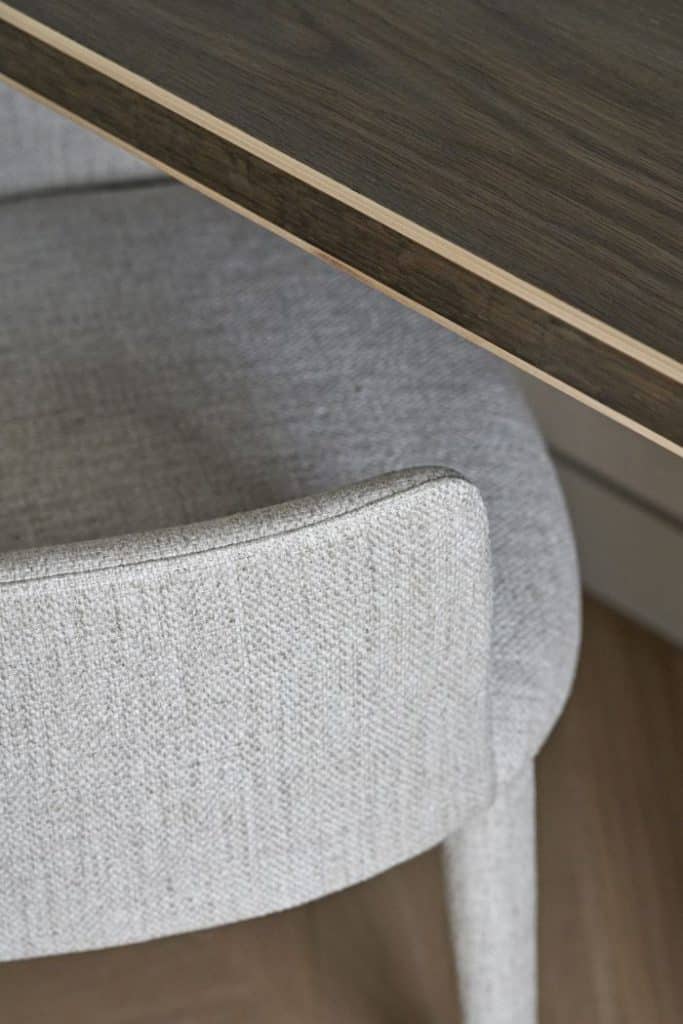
x: 251, y: 649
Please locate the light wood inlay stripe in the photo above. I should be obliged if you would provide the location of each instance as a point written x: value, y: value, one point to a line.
x: 449, y: 250
x: 630, y: 381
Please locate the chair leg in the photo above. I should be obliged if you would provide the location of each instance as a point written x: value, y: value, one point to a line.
x: 491, y: 880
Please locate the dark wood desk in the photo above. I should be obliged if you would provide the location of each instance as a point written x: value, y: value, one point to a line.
x: 513, y: 168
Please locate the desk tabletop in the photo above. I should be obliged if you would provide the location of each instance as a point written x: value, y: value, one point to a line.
x: 512, y: 168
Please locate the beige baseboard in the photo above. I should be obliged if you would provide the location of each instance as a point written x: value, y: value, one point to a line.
x: 631, y: 558
x: 625, y: 497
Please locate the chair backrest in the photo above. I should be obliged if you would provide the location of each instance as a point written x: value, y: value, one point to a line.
x: 213, y: 722
x: 44, y: 150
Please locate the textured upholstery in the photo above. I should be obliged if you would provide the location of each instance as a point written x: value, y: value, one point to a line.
x: 167, y: 362
x: 210, y: 723
x: 40, y: 150
x: 200, y: 719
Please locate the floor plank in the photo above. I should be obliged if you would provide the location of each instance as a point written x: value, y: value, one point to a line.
x: 611, y: 834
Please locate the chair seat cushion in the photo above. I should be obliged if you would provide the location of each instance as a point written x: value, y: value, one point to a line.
x: 167, y: 362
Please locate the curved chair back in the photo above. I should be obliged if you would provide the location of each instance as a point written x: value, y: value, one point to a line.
x: 213, y: 722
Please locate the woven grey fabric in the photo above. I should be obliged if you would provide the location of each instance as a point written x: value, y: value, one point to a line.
x: 207, y: 724
x: 40, y: 149
x: 176, y: 363
x: 490, y: 868
x: 221, y: 717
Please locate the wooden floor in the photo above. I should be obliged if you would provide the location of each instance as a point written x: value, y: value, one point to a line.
x: 611, y: 867
x: 611, y: 835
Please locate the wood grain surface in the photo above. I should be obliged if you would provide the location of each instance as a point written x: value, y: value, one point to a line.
x: 513, y: 169
x: 611, y: 906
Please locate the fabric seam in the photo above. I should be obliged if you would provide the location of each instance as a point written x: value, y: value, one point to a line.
x: 177, y: 556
